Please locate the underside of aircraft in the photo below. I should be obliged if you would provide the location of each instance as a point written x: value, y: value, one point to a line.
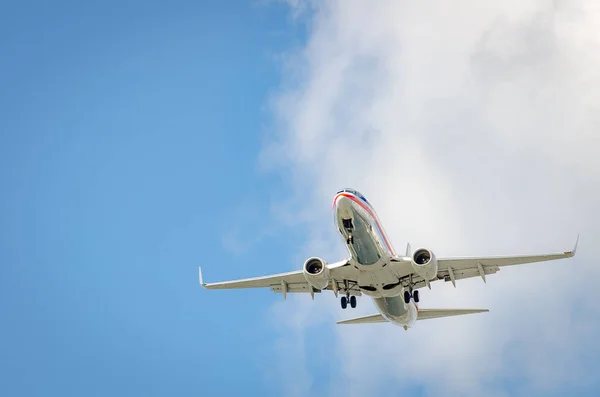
x: 376, y: 270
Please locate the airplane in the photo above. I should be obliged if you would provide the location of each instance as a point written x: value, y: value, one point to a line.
x: 376, y: 270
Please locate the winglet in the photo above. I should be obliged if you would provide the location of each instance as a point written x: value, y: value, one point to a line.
x: 202, y: 283
x: 408, y: 249
x: 574, y: 251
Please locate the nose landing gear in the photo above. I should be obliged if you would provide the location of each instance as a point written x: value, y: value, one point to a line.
x: 349, y: 227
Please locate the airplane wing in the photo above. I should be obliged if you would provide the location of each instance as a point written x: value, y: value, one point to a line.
x: 344, y: 277
x: 452, y: 269
x: 294, y: 282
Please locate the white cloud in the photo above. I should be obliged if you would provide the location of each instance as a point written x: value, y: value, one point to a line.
x: 474, y: 129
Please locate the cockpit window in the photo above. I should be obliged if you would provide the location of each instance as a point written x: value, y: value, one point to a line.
x: 363, y: 198
x: 356, y: 193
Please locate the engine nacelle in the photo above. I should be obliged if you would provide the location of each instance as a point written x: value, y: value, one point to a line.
x: 316, y: 272
x: 425, y: 263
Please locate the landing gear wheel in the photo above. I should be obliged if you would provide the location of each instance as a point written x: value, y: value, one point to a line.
x: 350, y: 240
x: 406, y: 297
x: 416, y: 296
x: 353, y: 301
x: 344, y: 302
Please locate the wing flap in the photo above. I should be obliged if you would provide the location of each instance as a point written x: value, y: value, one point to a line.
x: 304, y: 287
x: 373, y: 318
x: 466, y: 272
x: 426, y: 314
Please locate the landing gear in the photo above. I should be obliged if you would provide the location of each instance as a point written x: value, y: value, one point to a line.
x: 345, y: 300
x: 408, y: 295
x: 350, y: 240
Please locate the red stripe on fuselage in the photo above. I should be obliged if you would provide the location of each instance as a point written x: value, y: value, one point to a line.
x: 364, y: 206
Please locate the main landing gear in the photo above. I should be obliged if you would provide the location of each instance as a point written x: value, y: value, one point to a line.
x: 345, y: 300
x: 408, y: 294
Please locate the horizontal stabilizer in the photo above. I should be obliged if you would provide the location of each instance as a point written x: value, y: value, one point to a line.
x: 423, y: 314
x: 426, y: 314
x: 373, y: 318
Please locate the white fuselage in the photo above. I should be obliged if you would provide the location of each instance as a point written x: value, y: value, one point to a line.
x: 371, y: 253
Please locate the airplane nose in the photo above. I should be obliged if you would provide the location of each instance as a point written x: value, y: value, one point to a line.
x: 343, y: 206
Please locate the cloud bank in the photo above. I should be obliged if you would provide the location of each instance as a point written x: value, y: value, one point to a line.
x: 474, y: 129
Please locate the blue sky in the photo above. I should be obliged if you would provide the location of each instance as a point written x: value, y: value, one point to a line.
x: 129, y: 143
x: 139, y: 140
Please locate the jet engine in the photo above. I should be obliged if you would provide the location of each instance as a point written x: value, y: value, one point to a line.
x: 425, y: 263
x: 316, y: 272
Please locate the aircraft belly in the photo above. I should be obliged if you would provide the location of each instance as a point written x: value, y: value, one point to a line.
x: 365, y: 246
x: 396, y: 311
x: 367, y: 252
x: 369, y: 249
